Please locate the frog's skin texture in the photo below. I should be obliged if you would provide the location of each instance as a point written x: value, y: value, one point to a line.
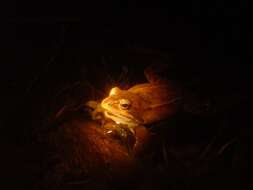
x: 142, y: 104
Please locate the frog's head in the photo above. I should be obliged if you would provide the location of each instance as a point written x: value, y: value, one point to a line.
x: 123, y: 107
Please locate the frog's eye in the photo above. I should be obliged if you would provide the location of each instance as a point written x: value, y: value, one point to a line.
x: 124, y: 104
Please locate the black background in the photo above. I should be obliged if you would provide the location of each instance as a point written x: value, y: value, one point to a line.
x: 211, y: 39
x: 46, y: 44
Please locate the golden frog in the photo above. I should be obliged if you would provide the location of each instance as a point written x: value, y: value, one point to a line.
x: 143, y: 103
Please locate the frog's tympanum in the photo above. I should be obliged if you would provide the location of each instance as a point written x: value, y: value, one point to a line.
x: 143, y: 103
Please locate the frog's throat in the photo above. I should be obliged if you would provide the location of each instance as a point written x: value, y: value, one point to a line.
x: 119, y: 118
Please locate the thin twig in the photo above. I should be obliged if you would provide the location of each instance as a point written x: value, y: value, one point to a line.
x: 226, y: 145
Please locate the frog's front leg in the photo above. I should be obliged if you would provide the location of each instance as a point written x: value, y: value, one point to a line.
x: 96, y: 111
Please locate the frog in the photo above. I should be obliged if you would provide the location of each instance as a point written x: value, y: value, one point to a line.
x: 152, y: 101
x: 143, y: 104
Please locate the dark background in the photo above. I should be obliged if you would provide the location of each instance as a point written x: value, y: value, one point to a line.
x: 208, y: 39
x: 47, y: 45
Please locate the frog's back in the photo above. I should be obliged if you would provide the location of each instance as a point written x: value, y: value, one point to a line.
x: 157, y: 94
x: 157, y: 99
x: 161, y: 101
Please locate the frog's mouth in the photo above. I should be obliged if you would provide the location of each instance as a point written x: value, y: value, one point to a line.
x: 122, y: 119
